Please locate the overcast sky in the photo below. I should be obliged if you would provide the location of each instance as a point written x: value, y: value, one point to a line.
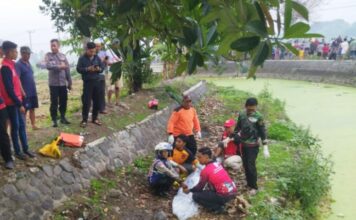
x: 17, y: 17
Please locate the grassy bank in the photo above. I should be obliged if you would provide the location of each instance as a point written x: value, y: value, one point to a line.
x: 295, y: 181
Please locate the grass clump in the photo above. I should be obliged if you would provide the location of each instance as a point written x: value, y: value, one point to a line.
x: 295, y: 180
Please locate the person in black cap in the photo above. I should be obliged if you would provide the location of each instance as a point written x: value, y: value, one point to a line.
x: 90, y: 66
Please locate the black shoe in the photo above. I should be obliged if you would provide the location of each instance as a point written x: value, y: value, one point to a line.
x: 220, y: 210
x: 162, y: 194
x: 54, y: 124
x: 21, y: 156
x: 9, y: 165
x: 30, y: 154
x: 65, y: 121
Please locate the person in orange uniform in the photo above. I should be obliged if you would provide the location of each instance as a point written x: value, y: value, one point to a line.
x: 183, y: 156
x: 184, y: 120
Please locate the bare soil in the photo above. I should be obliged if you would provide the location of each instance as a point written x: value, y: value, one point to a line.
x: 127, y: 195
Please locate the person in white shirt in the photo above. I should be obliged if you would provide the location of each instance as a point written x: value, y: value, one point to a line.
x: 344, y: 48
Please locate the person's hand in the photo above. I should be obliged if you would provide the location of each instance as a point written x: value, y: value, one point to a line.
x: 183, y: 169
x: 97, y: 68
x: 226, y: 141
x: 199, y: 134
x: 63, y: 66
x: 22, y: 110
x: 266, y: 151
x: 185, y: 188
x: 171, y: 139
x: 91, y: 68
x: 69, y: 87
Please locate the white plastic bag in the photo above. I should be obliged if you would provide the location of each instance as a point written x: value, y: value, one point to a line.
x: 183, y: 205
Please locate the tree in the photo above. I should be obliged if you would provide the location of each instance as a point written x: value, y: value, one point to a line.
x: 200, y: 30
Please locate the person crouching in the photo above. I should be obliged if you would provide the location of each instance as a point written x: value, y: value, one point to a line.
x: 215, y: 187
x: 163, y: 172
x: 182, y: 155
x: 229, y: 151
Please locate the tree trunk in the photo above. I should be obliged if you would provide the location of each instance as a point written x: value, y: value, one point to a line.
x: 137, y: 74
x: 93, y: 10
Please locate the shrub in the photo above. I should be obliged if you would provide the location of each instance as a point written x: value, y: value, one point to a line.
x: 280, y: 131
x: 306, y: 178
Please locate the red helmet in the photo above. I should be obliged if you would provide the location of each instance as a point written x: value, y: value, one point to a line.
x: 229, y: 123
x: 153, y: 103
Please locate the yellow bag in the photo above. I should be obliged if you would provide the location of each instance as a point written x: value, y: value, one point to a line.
x: 52, y: 149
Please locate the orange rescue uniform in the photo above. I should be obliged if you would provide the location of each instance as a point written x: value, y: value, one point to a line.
x: 183, y: 121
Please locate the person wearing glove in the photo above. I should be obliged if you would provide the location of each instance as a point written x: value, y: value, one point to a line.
x: 184, y: 120
x: 251, y: 129
x: 215, y: 187
x: 163, y: 172
x: 265, y: 150
x: 228, y: 151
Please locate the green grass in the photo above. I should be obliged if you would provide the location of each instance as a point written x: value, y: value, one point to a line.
x: 100, y: 186
x: 296, y: 175
x: 143, y: 163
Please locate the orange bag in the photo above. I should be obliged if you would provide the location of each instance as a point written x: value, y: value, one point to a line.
x: 72, y: 140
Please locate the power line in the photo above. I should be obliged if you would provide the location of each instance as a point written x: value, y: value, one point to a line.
x: 339, y: 7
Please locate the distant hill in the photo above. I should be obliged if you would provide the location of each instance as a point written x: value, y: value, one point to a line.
x: 335, y: 28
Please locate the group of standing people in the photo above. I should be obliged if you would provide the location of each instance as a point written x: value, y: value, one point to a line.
x: 18, y: 93
x: 180, y: 155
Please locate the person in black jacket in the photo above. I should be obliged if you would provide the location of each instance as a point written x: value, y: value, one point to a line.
x: 90, y: 66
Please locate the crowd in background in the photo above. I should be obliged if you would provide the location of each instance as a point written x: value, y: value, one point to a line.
x: 337, y: 49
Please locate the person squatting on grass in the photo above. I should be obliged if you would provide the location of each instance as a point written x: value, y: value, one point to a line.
x: 59, y: 81
x: 228, y: 151
x: 90, y: 66
x: 215, y: 187
x: 183, y: 156
x: 12, y: 93
x: 163, y: 172
x: 250, y: 129
x: 184, y: 120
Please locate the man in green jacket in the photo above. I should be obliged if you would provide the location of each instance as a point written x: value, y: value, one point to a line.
x: 250, y: 129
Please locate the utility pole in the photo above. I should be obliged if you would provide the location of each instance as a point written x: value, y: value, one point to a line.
x: 30, y: 36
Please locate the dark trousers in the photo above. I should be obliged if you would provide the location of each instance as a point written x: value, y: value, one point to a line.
x: 191, y: 144
x: 102, y: 95
x: 18, y: 129
x: 91, y: 92
x: 5, y: 145
x: 249, y: 162
x: 59, y: 96
x: 162, y: 185
x: 211, y: 200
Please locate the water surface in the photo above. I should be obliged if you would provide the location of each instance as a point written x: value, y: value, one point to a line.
x: 330, y: 112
